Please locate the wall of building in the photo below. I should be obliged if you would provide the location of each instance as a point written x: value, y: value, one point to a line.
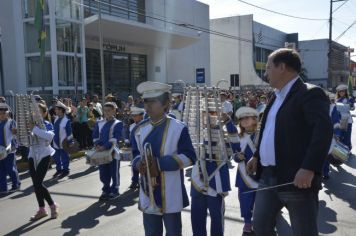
x: 165, y: 64
x: 12, y: 46
x: 182, y: 63
x: 232, y: 56
x: 314, y: 54
x: 268, y: 37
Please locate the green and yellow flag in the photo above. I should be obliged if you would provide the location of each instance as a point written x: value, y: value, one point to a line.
x: 350, y: 86
x: 40, y: 26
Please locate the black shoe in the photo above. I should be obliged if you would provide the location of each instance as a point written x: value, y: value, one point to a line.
x: 113, y: 196
x: 14, y: 189
x: 4, y: 192
x: 133, y: 185
x: 104, y: 197
x: 63, y: 174
x: 58, y: 173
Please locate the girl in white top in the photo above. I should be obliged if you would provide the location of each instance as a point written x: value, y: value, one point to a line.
x: 39, y: 160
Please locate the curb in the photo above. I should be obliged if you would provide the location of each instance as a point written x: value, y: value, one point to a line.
x: 22, y: 166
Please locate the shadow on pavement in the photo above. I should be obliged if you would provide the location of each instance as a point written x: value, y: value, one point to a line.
x: 351, y: 162
x: 342, y: 185
x: 27, y: 227
x: 83, y: 173
x: 29, y: 190
x: 88, y: 218
x: 326, y: 217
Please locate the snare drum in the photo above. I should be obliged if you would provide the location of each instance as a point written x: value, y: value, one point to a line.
x: 339, y: 153
x: 3, y: 152
x: 125, y: 154
x: 96, y: 158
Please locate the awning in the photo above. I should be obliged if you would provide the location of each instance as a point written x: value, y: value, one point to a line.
x: 136, y: 32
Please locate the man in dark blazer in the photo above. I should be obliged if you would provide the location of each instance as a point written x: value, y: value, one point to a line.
x: 295, y: 137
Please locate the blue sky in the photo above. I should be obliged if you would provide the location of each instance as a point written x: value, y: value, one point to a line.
x: 343, y: 17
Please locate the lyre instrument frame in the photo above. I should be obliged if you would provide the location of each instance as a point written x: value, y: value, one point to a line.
x: 204, y: 100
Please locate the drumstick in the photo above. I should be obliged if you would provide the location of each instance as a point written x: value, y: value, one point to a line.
x: 269, y: 187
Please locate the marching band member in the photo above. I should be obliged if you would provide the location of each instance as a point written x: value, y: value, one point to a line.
x: 212, y: 196
x: 39, y: 160
x: 342, y: 96
x: 226, y: 104
x: 177, y: 106
x: 7, y: 157
x: 335, y: 118
x: 248, y: 119
x: 137, y: 115
x: 172, y: 151
x: 106, y: 135
x: 62, y: 131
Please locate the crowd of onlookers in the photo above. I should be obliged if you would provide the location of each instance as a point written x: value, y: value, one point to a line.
x: 87, y: 110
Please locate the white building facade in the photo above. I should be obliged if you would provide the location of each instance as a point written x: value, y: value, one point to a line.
x: 245, y: 53
x: 143, y: 40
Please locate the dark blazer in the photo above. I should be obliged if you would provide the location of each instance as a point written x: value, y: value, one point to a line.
x: 303, y: 132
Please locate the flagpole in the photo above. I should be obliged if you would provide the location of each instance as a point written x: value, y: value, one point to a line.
x: 101, y: 56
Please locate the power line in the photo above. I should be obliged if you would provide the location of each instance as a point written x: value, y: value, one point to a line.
x: 340, y: 6
x: 184, y: 25
x: 343, y: 33
x: 280, y: 13
x: 318, y: 31
x: 180, y: 24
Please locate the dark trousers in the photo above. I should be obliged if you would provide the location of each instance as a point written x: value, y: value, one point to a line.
x: 61, y: 159
x: 110, y: 176
x: 135, y: 175
x: 84, y: 135
x: 301, y: 204
x: 37, y: 176
x: 154, y: 224
x: 200, y: 205
x: 8, y: 167
x: 346, y: 136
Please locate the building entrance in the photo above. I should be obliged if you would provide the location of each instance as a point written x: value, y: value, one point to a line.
x: 123, y: 72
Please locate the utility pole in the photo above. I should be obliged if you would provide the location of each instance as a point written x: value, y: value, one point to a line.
x: 330, y: 82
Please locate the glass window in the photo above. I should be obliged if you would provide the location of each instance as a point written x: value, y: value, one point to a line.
x: 29, y: 8
x: 68, y: 9
x: 118, y: 8
x: 32, y: 35
x: 68, y: 67
x: 38, y: 74
x: 68, y: 34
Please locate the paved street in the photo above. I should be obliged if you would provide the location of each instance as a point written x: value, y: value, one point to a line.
x: 81, y: 213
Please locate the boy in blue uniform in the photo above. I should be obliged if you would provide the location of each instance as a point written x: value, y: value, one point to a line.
x: 342, y: 96
x: 8, y: 159
x: 106, y: 135
x: 172, y: 151
x: 335, y: 119
x: 62, y: 131
x: 209, y: 194
x: 137, y: 115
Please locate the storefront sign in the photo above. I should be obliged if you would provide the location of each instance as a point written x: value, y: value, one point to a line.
x: 200, y: 75
x: 114, y: 47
